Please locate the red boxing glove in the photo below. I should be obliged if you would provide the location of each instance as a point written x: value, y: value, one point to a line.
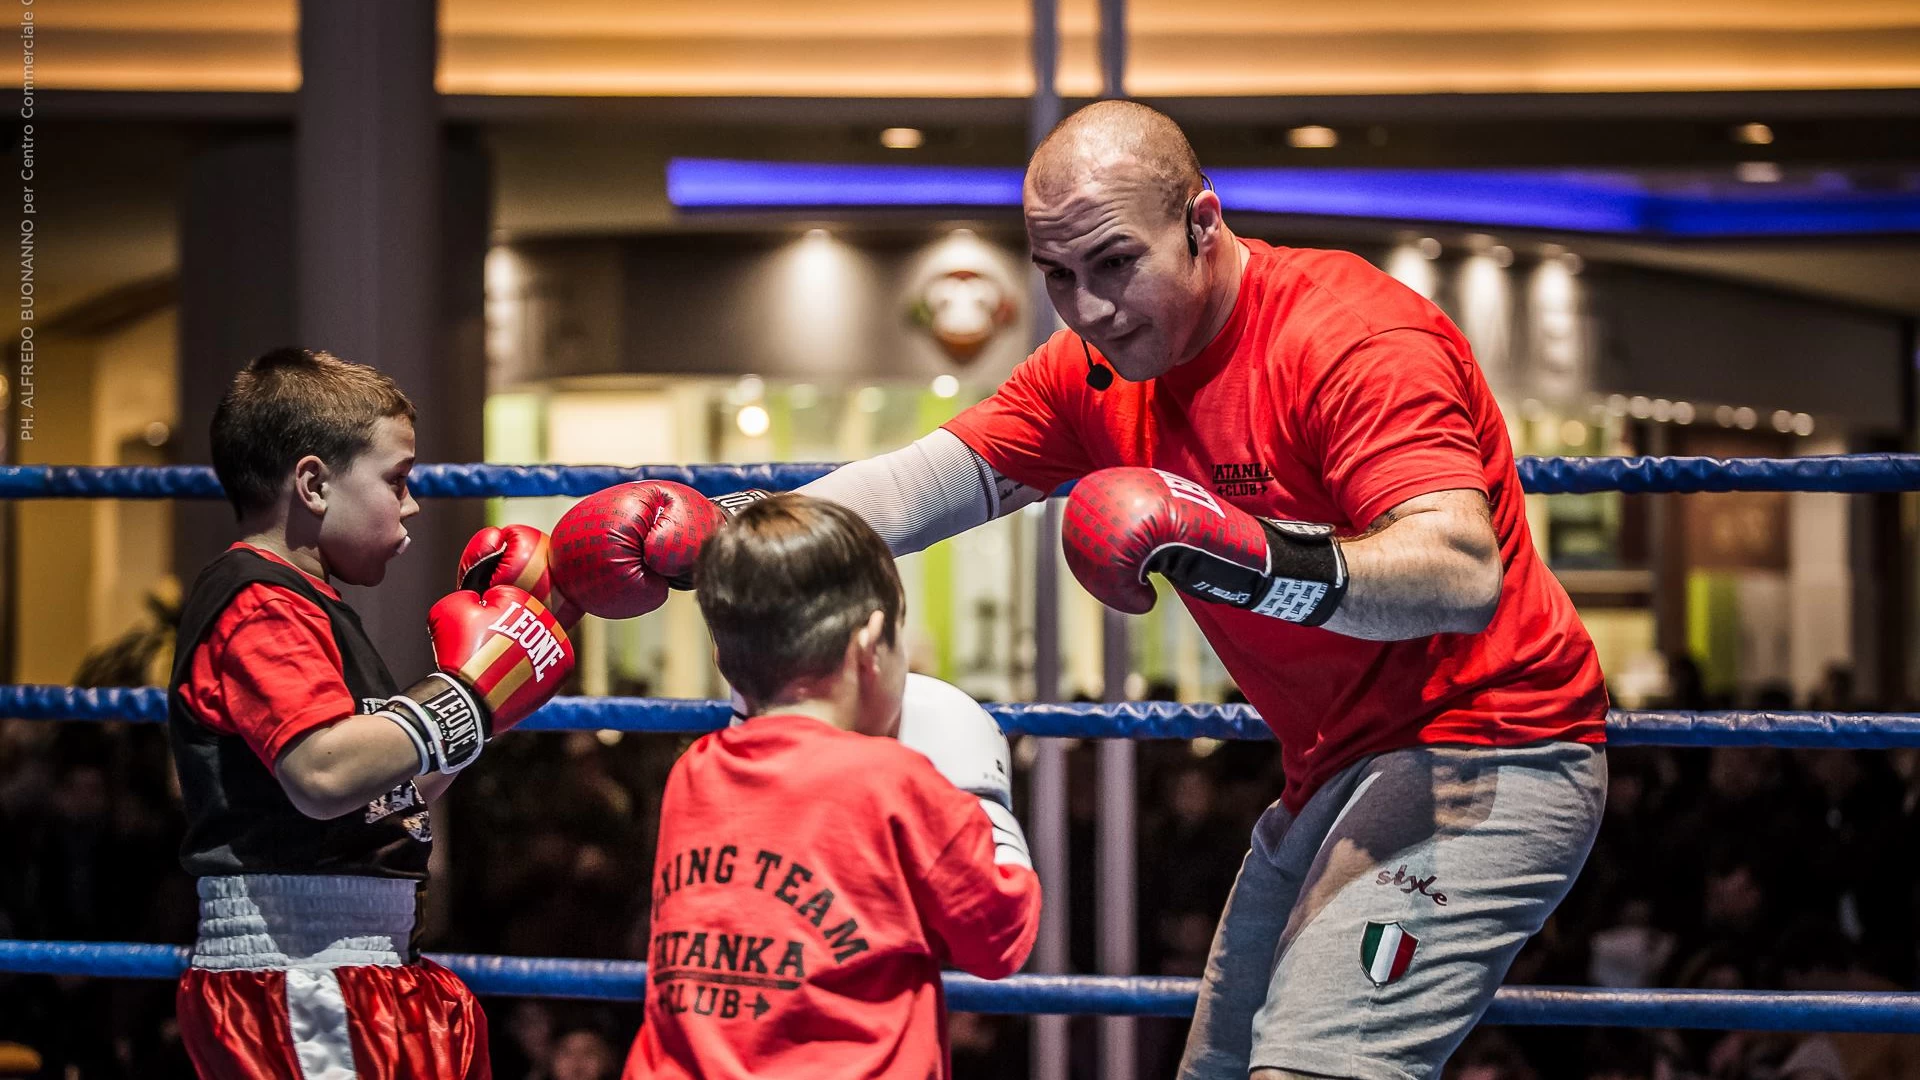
x: 1124, y: 523
x: 501, y: 655
x: 514, y: 555
x: 618, y: 551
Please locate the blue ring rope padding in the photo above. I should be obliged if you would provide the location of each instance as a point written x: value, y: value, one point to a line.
x: 1733, y: 727
x: 1133, y: 719
x: 1104, y: 995
x: 1852, y: 473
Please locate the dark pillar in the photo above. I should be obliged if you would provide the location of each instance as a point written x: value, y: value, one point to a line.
x: 363, y: 232
x: 236, y: 302
x: 372, y: 281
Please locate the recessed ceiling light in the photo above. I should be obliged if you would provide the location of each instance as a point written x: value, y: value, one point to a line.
x: 1312, y: 137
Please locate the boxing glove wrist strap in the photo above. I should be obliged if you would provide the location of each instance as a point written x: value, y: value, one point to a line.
x: 447, y: 724
x: 735, y: 501
x: 1009, y: 840
x: 1304, y: 581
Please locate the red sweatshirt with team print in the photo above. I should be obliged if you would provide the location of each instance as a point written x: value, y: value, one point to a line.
x: 808, y: 887
x: 1333, y: 394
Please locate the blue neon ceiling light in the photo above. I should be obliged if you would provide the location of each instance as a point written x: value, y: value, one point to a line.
x: 706, y: 183
x: 1456, y: 196
x: 1574, y: 202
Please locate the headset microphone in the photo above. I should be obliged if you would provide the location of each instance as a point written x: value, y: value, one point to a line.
x: 1099, y: 376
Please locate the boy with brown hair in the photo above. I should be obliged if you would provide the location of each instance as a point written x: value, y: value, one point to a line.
x: 304, y: 768
x: 813, y: 873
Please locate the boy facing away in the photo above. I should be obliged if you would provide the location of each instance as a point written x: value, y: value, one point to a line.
x: 813, y: 873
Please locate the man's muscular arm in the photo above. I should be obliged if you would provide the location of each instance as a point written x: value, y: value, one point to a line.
x: 1430, y: 565
x: 923, y: 493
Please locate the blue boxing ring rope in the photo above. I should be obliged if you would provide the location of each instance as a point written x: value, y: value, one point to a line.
x: 1128, y: 720
x: 1102, y: 995
x: 1054, y: 994
x: 1857, y: 474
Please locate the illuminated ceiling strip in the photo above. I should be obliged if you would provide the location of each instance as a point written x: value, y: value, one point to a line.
x: 1555, y: 201
x: 709, y: 183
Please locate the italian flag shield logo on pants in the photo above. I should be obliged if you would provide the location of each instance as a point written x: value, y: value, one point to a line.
x: 1385, y: 952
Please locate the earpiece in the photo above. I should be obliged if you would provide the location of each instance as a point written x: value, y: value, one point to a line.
x: 1193, y: 235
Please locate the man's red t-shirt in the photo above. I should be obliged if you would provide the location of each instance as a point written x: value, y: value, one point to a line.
x: 808, y: 886
x: 269, y: 671
x: 1332, y: 394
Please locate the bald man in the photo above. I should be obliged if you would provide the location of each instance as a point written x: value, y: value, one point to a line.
x: 1306, y: 450
x: 1439, y: 708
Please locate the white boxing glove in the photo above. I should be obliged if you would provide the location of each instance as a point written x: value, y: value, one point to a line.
x: 962, y: 740
x: 966, y: 744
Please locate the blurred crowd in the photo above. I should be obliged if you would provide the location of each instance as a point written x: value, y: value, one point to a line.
x: 1725, y: 868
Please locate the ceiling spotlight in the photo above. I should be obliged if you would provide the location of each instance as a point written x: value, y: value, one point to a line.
x: 1745, y: 418
x: 1758, y: 172
x: 945, y: 386
x: 1782, y: 421
x: 1640, y: 408
x: 753, y: 421
x: 902, y: 138
x: 1802, y: 424
x: 1573, y: 433
x: 1573, y: 263
x: 1723, y: 416
x: 1312, y: 137
x: 1616, y: 404
x: 1501, y: 254
x: 1429, y: 247
x: 1683, y: 412
x: 1753, y: 134
x: 746, y: 390
x: 870, y: 399
x: 1662, y: 410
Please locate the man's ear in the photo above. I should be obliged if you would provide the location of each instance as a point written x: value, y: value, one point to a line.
x: 310, y: 479
x: 1207, y: 215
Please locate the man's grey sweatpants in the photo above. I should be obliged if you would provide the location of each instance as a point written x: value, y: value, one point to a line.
x: 1366, y: 935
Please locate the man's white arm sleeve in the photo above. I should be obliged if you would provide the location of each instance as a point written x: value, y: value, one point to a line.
x: 923, y: 493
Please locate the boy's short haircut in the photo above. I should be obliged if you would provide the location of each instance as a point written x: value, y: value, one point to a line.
x: 290, y: 403
x: 785, y: 585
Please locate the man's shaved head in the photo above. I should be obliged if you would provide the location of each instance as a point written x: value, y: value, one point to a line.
x: 1126, y: 267
x: 1116, y: 140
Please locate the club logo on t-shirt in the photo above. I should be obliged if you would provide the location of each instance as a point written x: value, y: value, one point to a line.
x: 1247, y: 478
x: 710, y: 971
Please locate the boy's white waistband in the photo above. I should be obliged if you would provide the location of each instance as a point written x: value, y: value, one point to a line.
x: 274, y: 922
